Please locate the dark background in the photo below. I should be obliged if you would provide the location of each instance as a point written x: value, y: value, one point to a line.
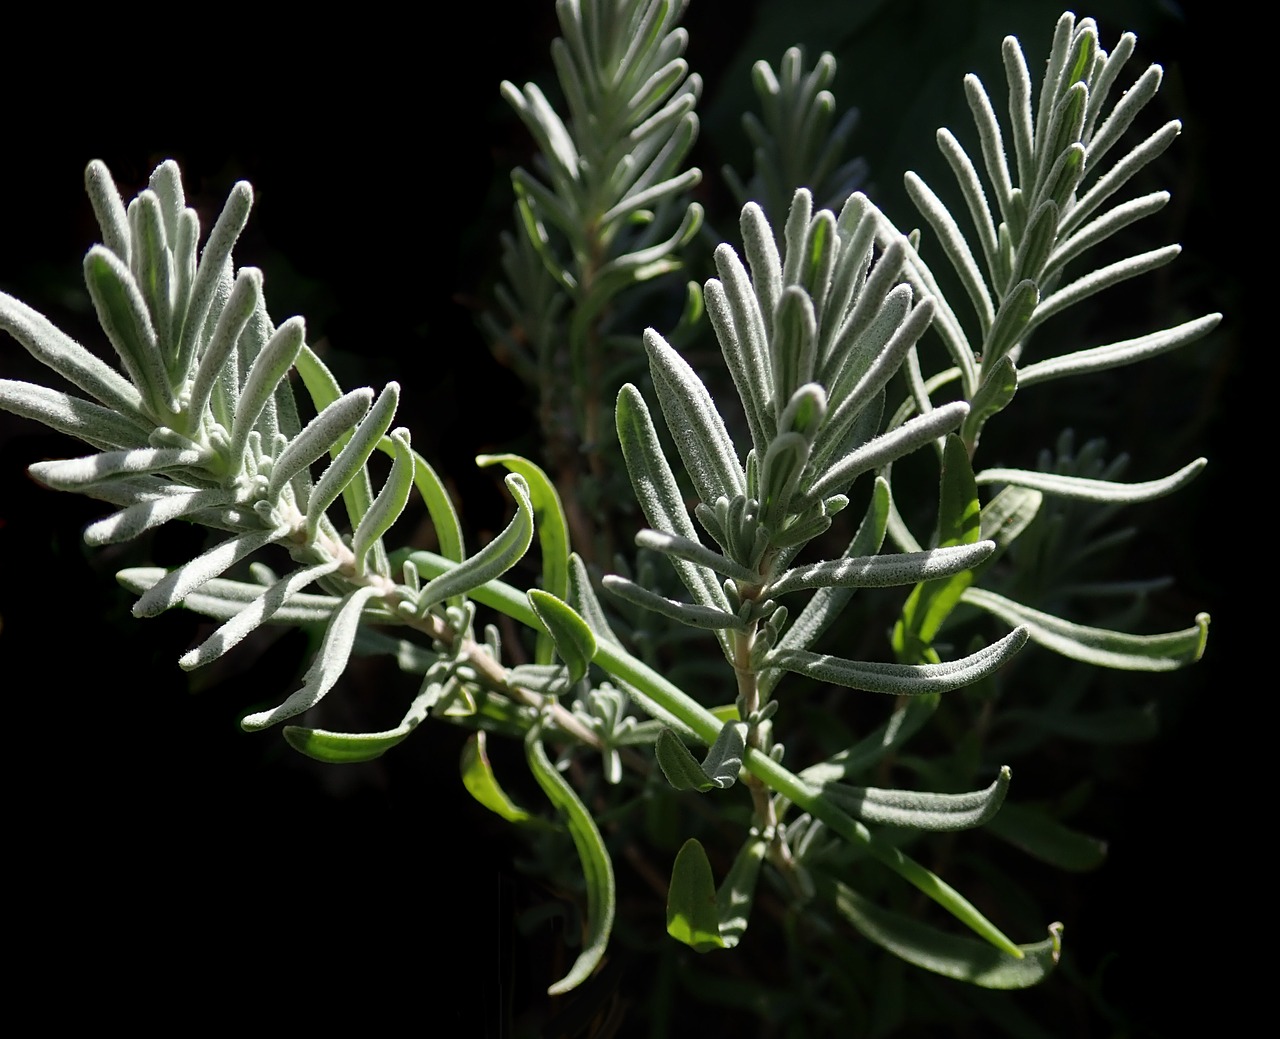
x: 142, y: 818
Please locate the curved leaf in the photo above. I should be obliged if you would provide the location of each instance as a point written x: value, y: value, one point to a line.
x: 1098, y: 646
x: 570, y: 634
x: 950, y: 955
x: 596, y: 867
x: 494, y: 560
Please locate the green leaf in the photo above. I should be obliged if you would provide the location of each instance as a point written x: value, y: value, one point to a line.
x: 950, y: 955
x: 718, y: 771
x: 482, y: 784
x: 389, y: 503
x: 494, y: 560
x: 596, y: 867
x: 329, y: 663
x: 347, y: 747
x: 1098, y: 646
x: 692, y: 913
x: 569, y: 632
x: 1048, y: 840
x: 959, y: 523
x: 553, y: 532
x: 999, y: 384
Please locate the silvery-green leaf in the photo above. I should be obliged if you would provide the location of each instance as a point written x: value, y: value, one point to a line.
x: 694, y: 552
x: 1100, y: 358
x: 827, y: 603
x: 145, y: 515
x: 389, y: 503
x: 1102, y: 278
x: 920, y: 810
x: 900, y: 679
x: 492, y: 561
x: 349, y: 463
x: 214, y: 263
x: 780, y: 473
x: 582, y: 597
x: 1084, y: 489
x: 75, y: 473
x: 222, y: 599
x: 152, y: 266
x: 740, y: 328
x: 108, y: 207
x: 319, y: 437
x: 258, y: 612
x: 244, y: 300
x: 53, y: 347
x: 596, y: 867
x: 178, y: 584
x: 883, y: 571
x: 1098, y: 646
x: 999, y: 384
x: 954, y: 245
x: 269, y: 367
x: 328, y: 665
x: 694, y: 615
x: 573, y: 639
x: 123, y: 315
x: 694, y: 422
x: 659, y: 496
x: 888, y: 447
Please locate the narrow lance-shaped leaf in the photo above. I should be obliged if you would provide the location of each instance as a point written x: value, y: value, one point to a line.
x: 319, y: 437
x: 215, y: 257
x: 950, y: 955
x: 570, y: 634
x: 76, y: 473
x: 959, y: 523
x: 124, y: 317
x: 900, y: 679
x: 258, y: 612
x: 1084, y: 489
x: 1098, y: 646
x: 884, y: 571
x: 343, y: 748
x: 920, y: 810
x: 269, y: 367
x: 179, y: 583
x: 553, y: 533
x: 481, y: 783
x: 389, y: 503
x: 492, y: 561
x: 330, y: 661
x: 349, y: 463
x: 596, y: 867
x: 887, y: 448
x: 246, y: 295
x: 694, y: 422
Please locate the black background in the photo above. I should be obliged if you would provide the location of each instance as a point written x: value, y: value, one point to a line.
x: 154, y: 844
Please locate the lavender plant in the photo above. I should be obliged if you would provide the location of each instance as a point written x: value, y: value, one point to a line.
x: 830, y: 326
